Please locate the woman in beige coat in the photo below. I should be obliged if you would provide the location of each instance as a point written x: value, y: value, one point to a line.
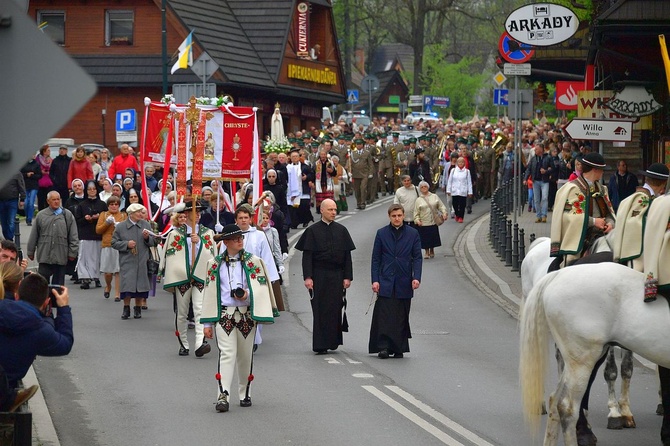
x: 427, y: 207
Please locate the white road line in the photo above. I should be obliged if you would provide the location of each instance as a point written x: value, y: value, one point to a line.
x: 449, y: 423
x: 411, y: 416
x: 331, y: 360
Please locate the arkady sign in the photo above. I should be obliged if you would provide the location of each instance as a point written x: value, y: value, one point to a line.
x: 542, y: 24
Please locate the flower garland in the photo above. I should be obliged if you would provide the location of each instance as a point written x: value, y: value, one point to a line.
x: 278, y: 145
x: 217, y: 102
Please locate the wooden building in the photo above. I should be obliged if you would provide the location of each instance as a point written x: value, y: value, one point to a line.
x: 268, y: 52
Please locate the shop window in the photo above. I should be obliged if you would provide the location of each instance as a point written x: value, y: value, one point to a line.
x: 119, y: 27
x: 52, y: 23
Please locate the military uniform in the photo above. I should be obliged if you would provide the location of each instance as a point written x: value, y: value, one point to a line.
x: 488, y: 171
x: 393, y: 150
x: 361, y: 170
x: 386, y: 167
x: 373, y: 184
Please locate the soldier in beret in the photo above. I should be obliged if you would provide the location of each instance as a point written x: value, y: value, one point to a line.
x: 361, y: 172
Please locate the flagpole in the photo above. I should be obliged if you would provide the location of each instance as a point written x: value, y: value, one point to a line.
x: 164, y: 46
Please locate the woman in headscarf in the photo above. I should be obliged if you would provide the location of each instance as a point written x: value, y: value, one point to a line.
x: 106, y: 191
x: 117, y: 191
x: 427, y: 207
x: 109, y: 257
x: 132, y: 238
x: 158, y: 199
x: 90, y: 242
x: 76, y: 197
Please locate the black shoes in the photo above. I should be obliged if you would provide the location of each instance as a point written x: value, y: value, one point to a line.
x: 384, y: 354
x: 106, y: 294
x: 222, y: 403
x: 117, y: 299
x: 85, y: 285
x: 398, y: 355
x: 126, y: 312
x: 183, y: 351
x: 24, y: 395
x: 138, y: 313
x: 98, y: 284
x: 321, y: 352
x: 203, y: 349
x: 245, y: 402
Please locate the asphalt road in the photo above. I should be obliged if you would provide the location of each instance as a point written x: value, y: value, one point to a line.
x: 124, y: 384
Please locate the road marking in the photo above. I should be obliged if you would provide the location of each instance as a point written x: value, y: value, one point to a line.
x: 449, y: 423
x: 362, y: 375
x: 331, y: 360
x: 351, y: 361
x: 411, y: 416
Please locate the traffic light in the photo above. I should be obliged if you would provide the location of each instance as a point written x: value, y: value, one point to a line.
x: 542, y: 92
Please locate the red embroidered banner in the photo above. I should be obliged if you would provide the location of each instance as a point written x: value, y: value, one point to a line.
x: 157, y: 130
x: 238, y: 142
x: 182, y: 155
x: 199, y: 156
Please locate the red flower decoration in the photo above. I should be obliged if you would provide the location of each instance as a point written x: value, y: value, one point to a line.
x: 250, y: 264
x: 580, y: 197
x: 218, y: 377
x: 579, y: 210
x: 178, y: 247
x: 251, y: 377
x: 176, y: 333
x: 575, y: 204
x: 253, y: 276
x: 258, y: 270
x: 177, y: 238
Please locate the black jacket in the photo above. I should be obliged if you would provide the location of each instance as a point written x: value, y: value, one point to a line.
x: 58, y: 173
x: 14, y: 189
x: 31, y: 182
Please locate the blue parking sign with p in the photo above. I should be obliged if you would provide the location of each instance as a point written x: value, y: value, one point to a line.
x: 125, y: 120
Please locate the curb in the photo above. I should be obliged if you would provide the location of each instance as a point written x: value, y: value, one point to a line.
x: 44, y: 431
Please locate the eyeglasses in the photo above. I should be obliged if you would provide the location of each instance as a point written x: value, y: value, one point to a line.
x: 239, y: 238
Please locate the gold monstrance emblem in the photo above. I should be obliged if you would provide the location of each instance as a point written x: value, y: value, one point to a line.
x: 236, y: 146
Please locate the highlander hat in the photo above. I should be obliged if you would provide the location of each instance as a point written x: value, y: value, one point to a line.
x: 594, y: 159
x: 657, y: 170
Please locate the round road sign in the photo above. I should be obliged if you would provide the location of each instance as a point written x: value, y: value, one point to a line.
x: 513, y: 51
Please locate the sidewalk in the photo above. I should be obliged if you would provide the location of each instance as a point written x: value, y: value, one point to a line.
x: 486, y: 269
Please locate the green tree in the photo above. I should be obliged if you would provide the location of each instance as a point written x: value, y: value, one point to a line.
x: 459, y: 81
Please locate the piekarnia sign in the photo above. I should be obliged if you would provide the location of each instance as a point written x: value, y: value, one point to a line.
x: 542, y: 24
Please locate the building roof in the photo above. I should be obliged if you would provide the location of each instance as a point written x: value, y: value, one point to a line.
x: 386, y: 55
x: 218, y: 30
x: 130, y: 71
x: 386, y: 79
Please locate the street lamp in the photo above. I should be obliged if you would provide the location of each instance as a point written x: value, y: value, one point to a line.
x: 104, y: 112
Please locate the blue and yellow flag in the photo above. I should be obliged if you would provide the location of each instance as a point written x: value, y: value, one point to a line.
x: 185, y: 58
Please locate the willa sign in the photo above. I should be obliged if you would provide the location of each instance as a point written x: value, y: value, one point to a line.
x: 542, y: 24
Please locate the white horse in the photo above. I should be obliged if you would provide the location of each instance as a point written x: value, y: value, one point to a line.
x: 533, y: 268
x: 587, y: 308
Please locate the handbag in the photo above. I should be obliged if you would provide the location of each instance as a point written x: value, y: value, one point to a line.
x: 152, y: 262
x: 437, y: 217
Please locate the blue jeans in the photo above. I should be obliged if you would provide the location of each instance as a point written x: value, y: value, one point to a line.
x: 29, y: 204
x: 8, y: 209
x: 541, y: 197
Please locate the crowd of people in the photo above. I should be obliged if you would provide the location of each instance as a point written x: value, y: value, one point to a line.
x: 221, y: 254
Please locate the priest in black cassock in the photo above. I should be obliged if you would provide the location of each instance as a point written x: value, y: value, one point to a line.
x: 326, y: 267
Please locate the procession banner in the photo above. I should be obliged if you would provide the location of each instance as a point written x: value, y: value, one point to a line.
x: 224, y: 145
x: 239, y: 133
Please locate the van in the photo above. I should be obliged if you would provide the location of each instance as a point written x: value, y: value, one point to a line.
x: 55, y: 143
x: 356, y: 118
x: 414, y: 117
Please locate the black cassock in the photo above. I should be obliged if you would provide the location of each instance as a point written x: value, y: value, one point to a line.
x: 326, y: 258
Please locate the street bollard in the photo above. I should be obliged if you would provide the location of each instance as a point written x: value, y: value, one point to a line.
x: 17, y: 238
x: 532, y: 238
x: 508, y: 243
x: 501, y: 234
x: 515, y: 248
x: 522, y: 246
x: 494, y: 219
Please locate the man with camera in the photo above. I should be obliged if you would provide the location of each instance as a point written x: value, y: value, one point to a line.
x: 27, y: 329
x: 237, y: 297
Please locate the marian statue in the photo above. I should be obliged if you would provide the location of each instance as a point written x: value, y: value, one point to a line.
x: 277, y: 125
